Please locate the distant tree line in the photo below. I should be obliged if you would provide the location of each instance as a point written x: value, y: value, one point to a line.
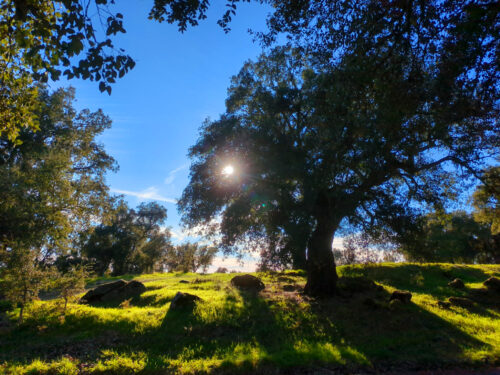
x: 58, y: 221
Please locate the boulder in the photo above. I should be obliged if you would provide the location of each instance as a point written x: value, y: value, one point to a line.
x: 290, y: 287
x: 401, y: 295
x: 183, y: 282
x: 395, y: 304
x: 183, y: 301
x: 131, y: 289
x: 94, y: 295
x: 119, y: 290
x: 444, y: 305
x: 247, y: 282
x: 457, y: 284
x: 460, y: 301
x: 492, y: 284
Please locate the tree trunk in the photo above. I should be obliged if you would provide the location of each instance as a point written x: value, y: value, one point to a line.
x: 21, y: 314
x: 322, y: 274
x: 299, y: 260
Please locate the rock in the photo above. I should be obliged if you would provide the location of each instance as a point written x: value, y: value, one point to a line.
x: 444, y: 305
x: 460, y: 301
x: 94, y: 295
x: 131, y: 289
x: 401, y: 295
x: 289, y: 288
x: 486, y: 297
x: 119, y: 290
x: 183, y: 282
x: 457, y: 284
x: 183, y: 300
x: 247, y: 282
x: 492, y: 284
x: 395, y: 304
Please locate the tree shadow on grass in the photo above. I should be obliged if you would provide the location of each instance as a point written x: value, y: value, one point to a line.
x: 252, y: 332
x: 430, y: 278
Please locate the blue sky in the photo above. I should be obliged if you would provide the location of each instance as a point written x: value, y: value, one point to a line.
x: 178, y: 81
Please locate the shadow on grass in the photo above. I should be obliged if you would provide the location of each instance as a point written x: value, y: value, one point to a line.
x: 249, y: 331
x: 430, y: 279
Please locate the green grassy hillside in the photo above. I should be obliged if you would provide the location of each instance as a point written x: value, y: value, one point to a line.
x: 274, y: 331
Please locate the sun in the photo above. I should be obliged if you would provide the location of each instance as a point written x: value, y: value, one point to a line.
x: 228, y: 170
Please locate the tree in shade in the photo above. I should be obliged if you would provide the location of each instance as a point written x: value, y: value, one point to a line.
x: 402, y: 103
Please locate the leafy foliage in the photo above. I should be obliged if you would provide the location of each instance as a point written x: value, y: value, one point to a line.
x: 189, y: 257
x: 42, y: 40
x: 53, y: 184
x: 357, y: 125
x: 229, y: 332
x: 70, y: 283
x: 486, y: 200
x: 132, y: 242
x: 23, y: 277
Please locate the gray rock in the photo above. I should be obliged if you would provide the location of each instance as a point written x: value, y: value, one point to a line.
x: 401, y: 295
x: 457, y: 284
x: 492, y: 284
x: 247, y: 282
x: 94, y: 295
x: 131, y: 289
x: 290, y: 287
x: 183, y: 301
x: 444, y: 305
x: 460, y: 301
x: 119, y: 290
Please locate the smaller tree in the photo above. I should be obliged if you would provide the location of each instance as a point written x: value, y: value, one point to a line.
x: 189, y: 257
x: 454, y: 237
x: 132, y: 242
x: 486, y: 200
x: 23, y: 278
x: 70, y: 283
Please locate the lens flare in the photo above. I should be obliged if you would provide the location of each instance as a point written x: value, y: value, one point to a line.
x: 228, y: 170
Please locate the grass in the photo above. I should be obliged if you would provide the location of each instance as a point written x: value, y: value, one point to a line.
x: 236, y: 332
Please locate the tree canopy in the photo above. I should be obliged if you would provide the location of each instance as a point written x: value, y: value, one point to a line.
x: 359, y: 131
x: 53, y: 184
x: 189, y: 257
x: 133, y: 241
x: 42, y: 40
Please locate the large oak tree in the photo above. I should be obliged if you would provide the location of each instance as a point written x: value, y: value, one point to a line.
x: 399, y: 99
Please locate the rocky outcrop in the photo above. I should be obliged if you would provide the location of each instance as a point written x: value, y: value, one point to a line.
x: 460, y: 301
x: 493, y: 284
x: 116, y: 291
x: 457, y: 284
x: 183, y: 301
x: 401, y: 295
x: 247, y: 282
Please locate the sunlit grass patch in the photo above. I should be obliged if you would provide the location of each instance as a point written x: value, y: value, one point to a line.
x: 231, y: 331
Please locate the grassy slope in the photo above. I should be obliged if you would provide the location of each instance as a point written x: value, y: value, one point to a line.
x: 232, y: 331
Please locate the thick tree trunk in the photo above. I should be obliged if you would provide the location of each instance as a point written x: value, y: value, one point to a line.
x: 322, y: 274
x: 299, y: 260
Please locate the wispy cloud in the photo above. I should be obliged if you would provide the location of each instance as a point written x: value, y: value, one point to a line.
x: 171, y: 175
x: 151, y: 193
x: 233, y: 264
